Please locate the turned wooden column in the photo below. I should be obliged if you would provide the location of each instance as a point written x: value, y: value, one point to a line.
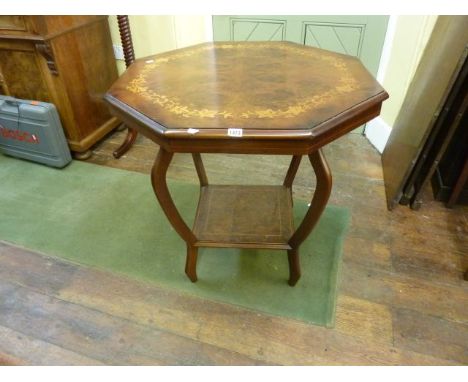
x: 129, y: 56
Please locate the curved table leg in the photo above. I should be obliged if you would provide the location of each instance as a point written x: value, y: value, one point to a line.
x: 127, y: 143
x: 292, y: 170
x: 291, y: 174
x: 192, y: 251
x: 317, y: 206
x: 294, y: 266
x: 158, y: 180
x: 197, y: 160
x: 191, y: 263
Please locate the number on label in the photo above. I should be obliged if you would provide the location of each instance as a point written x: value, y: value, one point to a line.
x: 235, y: 132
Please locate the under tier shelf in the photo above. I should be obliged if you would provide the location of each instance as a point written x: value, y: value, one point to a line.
x: 244, y: 216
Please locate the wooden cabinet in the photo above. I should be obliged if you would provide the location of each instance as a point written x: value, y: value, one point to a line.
x: 65, y: 60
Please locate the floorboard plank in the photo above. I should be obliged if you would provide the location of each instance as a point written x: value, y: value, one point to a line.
x: 402, y: 291
x: 106, y: 338
x: 362, y: 335
x: 19, y: 349
x: 431, y: 335
x: 364, y: 319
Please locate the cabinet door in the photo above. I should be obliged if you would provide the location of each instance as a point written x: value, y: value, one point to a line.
x: 12, y: 23
x: 20, y: 72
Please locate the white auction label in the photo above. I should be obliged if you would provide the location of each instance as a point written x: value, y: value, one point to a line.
x: 235, y: 132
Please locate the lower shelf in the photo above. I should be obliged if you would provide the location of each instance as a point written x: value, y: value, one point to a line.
x: 244, y: 216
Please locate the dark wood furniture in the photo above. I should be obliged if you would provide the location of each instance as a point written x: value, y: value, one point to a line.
x: 459, y: 189
x: 450, y: 174
x: 65, y: 60
x: 245, y: 98
x: 445, y: 150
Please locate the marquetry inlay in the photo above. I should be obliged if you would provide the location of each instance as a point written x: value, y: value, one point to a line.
x: 293, y: 59
x: 258, y: 86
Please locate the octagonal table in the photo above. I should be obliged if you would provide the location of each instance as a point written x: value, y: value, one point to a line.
x: 245, y: 98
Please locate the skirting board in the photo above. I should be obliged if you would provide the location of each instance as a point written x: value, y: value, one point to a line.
x: 378, y: 132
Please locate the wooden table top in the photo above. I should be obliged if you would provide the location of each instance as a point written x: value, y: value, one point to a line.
x: 267, y: 89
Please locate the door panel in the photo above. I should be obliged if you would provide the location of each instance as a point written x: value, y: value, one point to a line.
x: 12, y: 23
x: 22, y: 76
x: 346, y: 39
x: 257, y: 30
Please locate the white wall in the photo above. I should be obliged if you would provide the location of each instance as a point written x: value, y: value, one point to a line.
x: 160, y: 33
x: 405, y: 41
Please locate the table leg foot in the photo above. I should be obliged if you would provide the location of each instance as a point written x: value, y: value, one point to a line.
x: 127, y: 143
x: 191, y: 263
x: 294, y: 266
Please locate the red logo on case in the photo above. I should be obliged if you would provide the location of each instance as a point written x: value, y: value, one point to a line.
x: 18, y: 135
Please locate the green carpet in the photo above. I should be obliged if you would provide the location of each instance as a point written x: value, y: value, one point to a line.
x: 110, y: 219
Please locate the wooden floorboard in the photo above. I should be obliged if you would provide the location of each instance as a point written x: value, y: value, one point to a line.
x: 402, y: 299
x: 432, y: 335
x: 363, y: 334
x: 108, y: 339
x: 19, y: 349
